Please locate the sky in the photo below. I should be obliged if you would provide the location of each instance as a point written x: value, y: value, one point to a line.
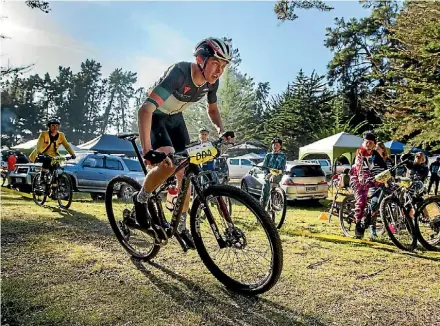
x: 148, y: 36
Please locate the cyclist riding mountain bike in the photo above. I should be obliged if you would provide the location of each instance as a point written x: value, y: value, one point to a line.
x: 48, y: 144
x: 367, y: 161
x: 162, y: 129
x: 275, y: 160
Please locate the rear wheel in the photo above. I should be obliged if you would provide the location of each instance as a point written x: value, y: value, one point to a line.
x: 346, y: 216
x: 251, y: 259
x: 122, y: 218
x: 39, y: 190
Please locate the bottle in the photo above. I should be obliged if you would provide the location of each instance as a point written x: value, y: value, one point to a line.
x: 171, y: 197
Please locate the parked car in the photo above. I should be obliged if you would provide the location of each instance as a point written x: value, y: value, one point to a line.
x: 326, y: 166
x: 92, y: 172
x: 23, y: 175
x: 303, y: 181
x: 239, y: 166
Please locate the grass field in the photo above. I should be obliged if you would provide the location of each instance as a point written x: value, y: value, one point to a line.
x: 67, y: 268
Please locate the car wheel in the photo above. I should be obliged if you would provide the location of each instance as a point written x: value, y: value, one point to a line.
x: 244, y: 186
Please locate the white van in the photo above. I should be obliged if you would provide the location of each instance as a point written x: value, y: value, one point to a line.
x: 240, y: 165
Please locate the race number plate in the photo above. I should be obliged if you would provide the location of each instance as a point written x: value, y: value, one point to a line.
x: 200, y: 154
x: 275, y: 172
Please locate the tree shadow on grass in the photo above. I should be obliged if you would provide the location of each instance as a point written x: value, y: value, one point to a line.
x: 83, y: 221
x: 224, y: 308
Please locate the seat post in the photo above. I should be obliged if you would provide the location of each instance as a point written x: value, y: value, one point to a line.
x: 138, y: 154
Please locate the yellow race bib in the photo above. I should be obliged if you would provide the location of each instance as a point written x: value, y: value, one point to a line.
x: 275, y: 172
x: 200, y: 154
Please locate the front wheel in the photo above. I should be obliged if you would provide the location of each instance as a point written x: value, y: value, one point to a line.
x: 250, y: 257
x: 64, y: 191
x: 399, y: 226
x: 279, y: 206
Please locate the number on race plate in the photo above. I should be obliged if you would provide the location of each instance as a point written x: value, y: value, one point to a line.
x: 201, y: 154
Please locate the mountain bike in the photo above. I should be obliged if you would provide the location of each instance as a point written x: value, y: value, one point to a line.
x: 277, y: 203
x: 246, y: 238
x: 347, y: 213
x: 383, y: 187
x: 56, y: 185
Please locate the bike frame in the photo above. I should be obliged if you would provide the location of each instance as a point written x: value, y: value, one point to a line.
x: 54, y: 174
x: 191, y: 171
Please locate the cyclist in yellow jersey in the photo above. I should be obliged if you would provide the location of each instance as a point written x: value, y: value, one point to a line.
x: 48, y: 144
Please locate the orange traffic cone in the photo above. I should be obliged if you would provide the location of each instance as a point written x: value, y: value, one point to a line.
x: 323, y: 216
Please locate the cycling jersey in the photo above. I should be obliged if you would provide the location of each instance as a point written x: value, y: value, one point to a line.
x: 175, y: 91
x: 273, y: 161
x: 49, y: 145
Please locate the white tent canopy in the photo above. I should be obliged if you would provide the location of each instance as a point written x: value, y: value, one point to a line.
x: 31, y: 144
x: 334, y: 146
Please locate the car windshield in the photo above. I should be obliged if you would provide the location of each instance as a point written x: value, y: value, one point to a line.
x: 79, y: 157
x: 306, y: 171
x: 133, y: 165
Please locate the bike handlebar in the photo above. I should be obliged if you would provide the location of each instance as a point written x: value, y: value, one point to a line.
x: 271, y: 170
x: 216, y: 143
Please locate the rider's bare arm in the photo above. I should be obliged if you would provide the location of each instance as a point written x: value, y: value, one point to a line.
x: 145, y: 115
x: 214, y: 116
x: 212, y: 109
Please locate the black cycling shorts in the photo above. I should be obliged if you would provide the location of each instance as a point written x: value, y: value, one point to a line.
x: 46, y: 160
x: 169, y: 130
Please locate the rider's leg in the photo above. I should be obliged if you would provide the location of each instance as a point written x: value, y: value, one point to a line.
x: 437, y: 181
x: 431, y: 182
x: 361, y: 197
x: 265, y: 194
x: 156, y: 176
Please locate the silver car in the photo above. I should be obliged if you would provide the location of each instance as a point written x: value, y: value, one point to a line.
x: 302, y: 181
x: 92, y: 172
